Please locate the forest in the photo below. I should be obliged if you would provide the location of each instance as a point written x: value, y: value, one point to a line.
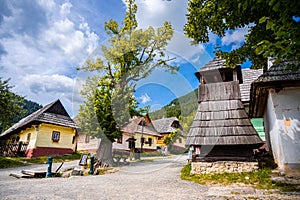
x: 184, y: 108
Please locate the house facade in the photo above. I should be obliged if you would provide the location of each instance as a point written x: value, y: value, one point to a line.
x: 165, y: 127
x: 48, y: 131
x: 142, y: 132
x: 84, y: 142
x: 275, y: 97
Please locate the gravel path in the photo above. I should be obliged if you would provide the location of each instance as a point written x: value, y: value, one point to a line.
x: 158, y: 179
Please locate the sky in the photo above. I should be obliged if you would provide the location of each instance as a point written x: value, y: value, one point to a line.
x: 43, y: 42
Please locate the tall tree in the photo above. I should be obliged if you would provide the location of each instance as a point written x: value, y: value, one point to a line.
x: 274, y: 28
x: 132, y: 55
x: 11, y: 105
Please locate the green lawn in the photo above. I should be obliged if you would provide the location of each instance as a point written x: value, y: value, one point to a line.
x: 6, y: 162
x: 260, y: 179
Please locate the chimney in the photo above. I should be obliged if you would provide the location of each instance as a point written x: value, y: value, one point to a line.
x: 270, y: 62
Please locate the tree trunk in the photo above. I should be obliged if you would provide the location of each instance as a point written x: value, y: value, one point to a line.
x: 104, y: 151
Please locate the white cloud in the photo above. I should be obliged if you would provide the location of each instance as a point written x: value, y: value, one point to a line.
x: 42, y: 51
x: 144, y: 98
x: 235, y: 38
x: 156, y: 12
x: 182, y: 49
x: 65, y: 8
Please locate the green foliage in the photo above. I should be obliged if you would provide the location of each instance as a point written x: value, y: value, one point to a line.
x: 44, y: 159
x: 181, y: 106
x: 6, y: 162
x: 132, y: 55
x: 273, y: 32
x: 260, y: 179
x: 29, y: 107
x: 169, y: 139
x: 184, y: 108
x: 10, y: 105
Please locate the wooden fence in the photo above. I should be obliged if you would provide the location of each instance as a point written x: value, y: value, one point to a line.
x: 13, y: 149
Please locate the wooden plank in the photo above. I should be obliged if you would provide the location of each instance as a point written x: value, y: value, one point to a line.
x: 221, y: 123
x: 20, y: 175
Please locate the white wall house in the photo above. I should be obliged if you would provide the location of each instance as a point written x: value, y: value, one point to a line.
x: 275, y: 96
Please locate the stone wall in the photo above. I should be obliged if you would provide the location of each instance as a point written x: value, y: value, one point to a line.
x: 223, y: 166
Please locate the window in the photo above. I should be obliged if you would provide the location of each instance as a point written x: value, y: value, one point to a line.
x: 28, y: 137
x: 179, y: 140
x: 87, y: 139
x: 55, y: 136
x: 73, y: 140
x: 120, y: 140
x: 150, y: 141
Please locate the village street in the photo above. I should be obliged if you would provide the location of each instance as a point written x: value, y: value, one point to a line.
x: 152, y: 179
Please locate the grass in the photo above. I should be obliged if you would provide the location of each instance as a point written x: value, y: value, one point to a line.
x: 6, y: 162
x: 260, y: 179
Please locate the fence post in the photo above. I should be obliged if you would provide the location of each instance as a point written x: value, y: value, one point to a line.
x: 49, y: 162
x: 19, y: 148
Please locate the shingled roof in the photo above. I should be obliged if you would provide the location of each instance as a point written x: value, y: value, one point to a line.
x: 164, y: 125
x: 276, y: 77
x: 53, y: 113
x: 214, y: 64
x: 217, y: 66
x: 249, y: 75
x: 221, y: 118
x: 135, y: 126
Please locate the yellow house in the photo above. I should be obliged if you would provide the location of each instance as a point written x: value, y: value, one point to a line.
x: 48, y: 131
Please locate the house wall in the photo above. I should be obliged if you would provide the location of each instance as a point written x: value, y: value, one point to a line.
x: 160, y: 141
x: 179, y: 143
x: 282, y: 126
x: 33, y: 136
x: 146, y: 147
x: 86, y: 143
x: 41, y: 143
x: 124, y: 145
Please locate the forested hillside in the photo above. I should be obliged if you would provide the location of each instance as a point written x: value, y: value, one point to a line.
x: 184, y: 108
x: 28, y: 108
x: 12, y: 106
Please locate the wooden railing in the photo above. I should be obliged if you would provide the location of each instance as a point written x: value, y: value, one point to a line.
x: 13, y: 149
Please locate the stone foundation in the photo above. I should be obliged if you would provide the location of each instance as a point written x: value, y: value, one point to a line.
x: 223, y: 166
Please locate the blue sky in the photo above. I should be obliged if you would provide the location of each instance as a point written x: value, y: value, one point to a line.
x: 42, y: 42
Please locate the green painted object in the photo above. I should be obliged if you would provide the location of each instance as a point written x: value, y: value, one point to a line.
x: 258, y: 124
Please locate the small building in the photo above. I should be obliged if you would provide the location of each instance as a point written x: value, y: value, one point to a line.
x: 84, y: 142
x: 166, y: 126
x: 140, y: 130
x: 275, y: 97
x: 48, y: 131
x: 221, y: 129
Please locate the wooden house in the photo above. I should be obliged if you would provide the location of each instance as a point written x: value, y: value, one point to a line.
x: 164, y: 127
x: 142, y: 131
x: 221, y: 129
x: 275, y: 97
x: 48, y: 131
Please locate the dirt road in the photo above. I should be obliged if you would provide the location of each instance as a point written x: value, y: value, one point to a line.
x: 158, y: 179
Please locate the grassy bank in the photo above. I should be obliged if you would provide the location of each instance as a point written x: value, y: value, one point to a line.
x: 6, y: 162
x: 260, y: 179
